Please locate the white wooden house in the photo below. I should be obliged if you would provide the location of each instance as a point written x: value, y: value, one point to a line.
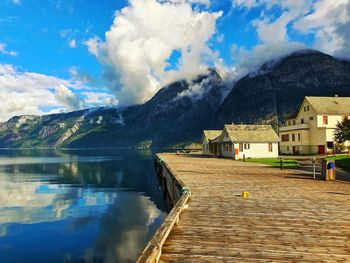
x: 236, y: 141
x: 251, y: 141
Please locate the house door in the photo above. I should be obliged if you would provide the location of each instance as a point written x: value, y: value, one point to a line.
x: 321, y: 149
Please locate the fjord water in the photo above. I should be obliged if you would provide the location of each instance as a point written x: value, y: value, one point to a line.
x: 77, y: 206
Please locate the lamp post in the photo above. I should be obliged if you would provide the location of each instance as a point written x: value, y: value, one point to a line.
x: 313, y: 160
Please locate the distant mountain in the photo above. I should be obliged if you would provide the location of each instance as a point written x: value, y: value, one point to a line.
x: 278, y: 87
x: 178, y: 113
x: 175, y: 115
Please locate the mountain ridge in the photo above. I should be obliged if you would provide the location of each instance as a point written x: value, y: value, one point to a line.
x: 178, y: 112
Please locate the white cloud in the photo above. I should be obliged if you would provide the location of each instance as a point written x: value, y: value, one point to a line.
x: 65, y: 96
x: 94, y: 45
x: 329, y: 21
x: 274, y: 30
x: 16, y: 2
x: 252, y: 60
x: 100, y: 99
x: 23, y: 92
x: 195, y: 91
x: 72, y: 43
x: 272, y: 33
x: 138, y: 45
x: 4, y: 51
x: 79, y: 76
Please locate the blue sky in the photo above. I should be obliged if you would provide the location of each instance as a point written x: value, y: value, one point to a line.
x: 40, y: 33
x: 62, y: 55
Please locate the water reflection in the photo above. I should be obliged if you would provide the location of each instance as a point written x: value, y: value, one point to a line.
x: 85, y: 206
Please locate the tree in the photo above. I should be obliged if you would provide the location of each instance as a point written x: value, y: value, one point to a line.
x: 342, y: 131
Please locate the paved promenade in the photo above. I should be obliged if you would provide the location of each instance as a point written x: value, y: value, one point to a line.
x: 288, y: 217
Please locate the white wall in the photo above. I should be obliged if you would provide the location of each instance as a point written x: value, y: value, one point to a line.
x: 258, y: 150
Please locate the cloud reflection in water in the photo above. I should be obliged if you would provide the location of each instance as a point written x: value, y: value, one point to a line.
x: 90, y: 209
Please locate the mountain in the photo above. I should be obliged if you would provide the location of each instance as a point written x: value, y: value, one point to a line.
x: 277, y: 89
x: 177, y: 113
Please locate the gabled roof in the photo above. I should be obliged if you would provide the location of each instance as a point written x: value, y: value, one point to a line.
x: 330, y: 105
x: 252, y: 133
x: 211, y: 134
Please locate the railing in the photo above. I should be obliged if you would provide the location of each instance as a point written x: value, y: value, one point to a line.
x: 153, y: 250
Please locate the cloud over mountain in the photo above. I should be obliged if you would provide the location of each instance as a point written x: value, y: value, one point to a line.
x: 23, y: 92
x: 326, y: 21
x: 139, y: 46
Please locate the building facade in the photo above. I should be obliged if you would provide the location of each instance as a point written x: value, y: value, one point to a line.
x: 311, y: 130
x: 208, y: 136
x: 238, y: 141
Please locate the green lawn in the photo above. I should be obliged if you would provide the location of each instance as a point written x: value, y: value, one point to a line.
x: 341, y: 161
x: 274, y: 162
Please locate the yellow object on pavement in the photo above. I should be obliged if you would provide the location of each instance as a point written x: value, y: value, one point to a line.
x: 245, y: 194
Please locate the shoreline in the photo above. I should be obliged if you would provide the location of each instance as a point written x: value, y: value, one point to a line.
x: 179, y: 195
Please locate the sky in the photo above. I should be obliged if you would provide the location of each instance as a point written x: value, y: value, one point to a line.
x: 65, y: 55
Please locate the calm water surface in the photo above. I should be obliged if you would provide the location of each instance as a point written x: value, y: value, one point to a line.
x: 77, y: 206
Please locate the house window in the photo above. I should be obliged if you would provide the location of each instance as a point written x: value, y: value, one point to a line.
x: 285, y: 138
x: 288, y: 122
x: 246, y: 146
x: 288, y: 148
x: 299, y: 137
x: 241, y: 147
x: 330, y: 145
x: 325, y: 120
x: 294, y: 122
x: 302, y: 121
x: 270, y: 147
x: 293, y: 137
x: 311, y: 118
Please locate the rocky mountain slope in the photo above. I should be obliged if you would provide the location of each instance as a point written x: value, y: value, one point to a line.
x: 179, y: 112
x: 176, y: 114
x: 278, y: 88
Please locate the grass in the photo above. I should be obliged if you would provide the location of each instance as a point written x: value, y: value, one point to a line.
x: 274, y: 162
x: 342, y: 161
